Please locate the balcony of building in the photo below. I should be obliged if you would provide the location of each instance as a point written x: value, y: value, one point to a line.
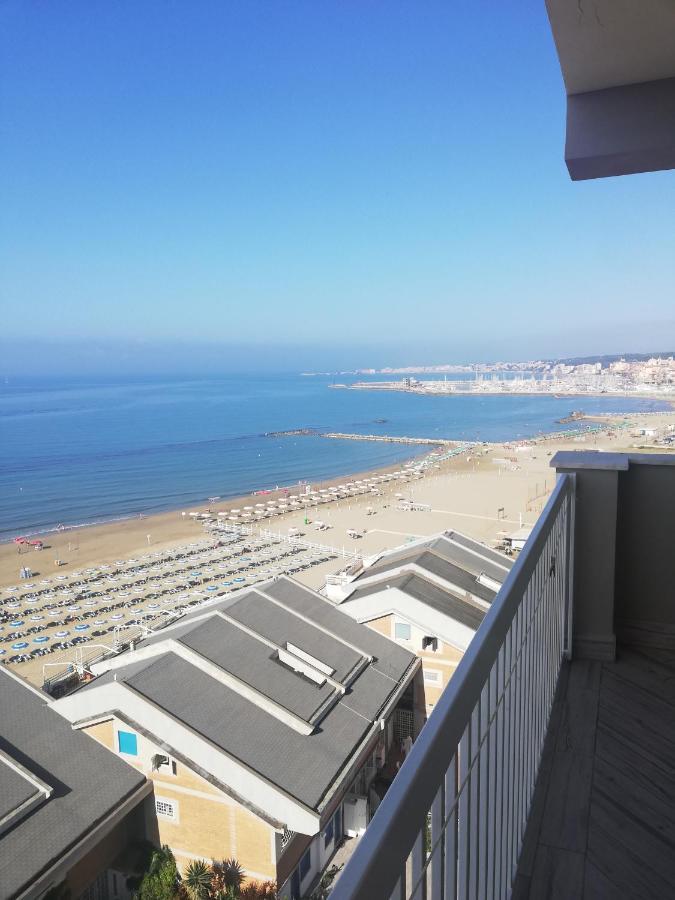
x: 547, y: 769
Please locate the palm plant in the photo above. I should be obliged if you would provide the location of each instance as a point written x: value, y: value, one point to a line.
x: 227, y: 877
x: 197, y: 880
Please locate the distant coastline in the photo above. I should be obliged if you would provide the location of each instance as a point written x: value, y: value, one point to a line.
x: 509, y: 389
x: 79, y: 453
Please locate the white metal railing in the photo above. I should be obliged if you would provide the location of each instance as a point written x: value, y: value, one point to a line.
x: 452, y: 823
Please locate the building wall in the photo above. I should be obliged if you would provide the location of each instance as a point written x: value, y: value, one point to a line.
x: 438, y: 666
x: 206, y: 823
x: 645, y: 563
x: 320, y: 850
x: 101, y: 857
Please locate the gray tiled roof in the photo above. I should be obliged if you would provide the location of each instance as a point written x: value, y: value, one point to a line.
x: 391, y: 659
x: 271, y: 621
x: 484, y: 551
x: 255, y: 663
x: 436, y: 565
x: 303, y: 765
x: 72, y: 764
x: 458, y: 608
x: 15, y: 789
x: 466, y: 557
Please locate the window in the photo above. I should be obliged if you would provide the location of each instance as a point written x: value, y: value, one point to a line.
x: 337, y: 824
x: 328, y: 834
x: 429, y: 642
x: 306, y: 864
x: 432, y: 676
x: 402, y: 631
x: 167, y: 809
x: 164, y: 764
x: 127, y: 742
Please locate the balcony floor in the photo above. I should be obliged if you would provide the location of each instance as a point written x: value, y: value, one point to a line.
x: 603, y: 815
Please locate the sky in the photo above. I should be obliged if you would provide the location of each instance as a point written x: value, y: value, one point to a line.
x: 308, y: 184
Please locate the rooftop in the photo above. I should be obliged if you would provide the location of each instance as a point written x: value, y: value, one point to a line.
x: 437, y: 598
x: 51, y: 790
x: 453, y: 560
x: 275, y: 678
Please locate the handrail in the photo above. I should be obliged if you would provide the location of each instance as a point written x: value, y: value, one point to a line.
x: 395, y: 828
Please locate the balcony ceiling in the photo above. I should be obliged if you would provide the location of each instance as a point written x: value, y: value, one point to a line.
x: 609, y: 43
x: 618, y: 64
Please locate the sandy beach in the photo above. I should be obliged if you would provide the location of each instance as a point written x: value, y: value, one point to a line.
x: 464, y: 493
x: 487, y: 492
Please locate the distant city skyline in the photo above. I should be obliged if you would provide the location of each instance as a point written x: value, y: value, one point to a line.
x: 116, y: 358
x: 292, y: 186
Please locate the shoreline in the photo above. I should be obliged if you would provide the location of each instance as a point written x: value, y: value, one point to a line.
x: 402, y: 389
x: 222, y: 502
x: 487, y: 491
x: 606, y: 419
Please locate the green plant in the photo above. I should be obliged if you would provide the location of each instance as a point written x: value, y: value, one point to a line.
x: 259, y: 890
x: 324, y: 887
x: 197, y: 880
x: 161, y: 881
x: 227, y: 876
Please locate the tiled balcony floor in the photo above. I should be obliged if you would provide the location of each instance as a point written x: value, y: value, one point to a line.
x: 603, y: 814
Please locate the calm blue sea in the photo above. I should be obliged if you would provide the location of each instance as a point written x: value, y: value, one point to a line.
x: 74, y: 451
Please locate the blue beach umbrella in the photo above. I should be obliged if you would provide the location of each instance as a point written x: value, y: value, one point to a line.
x: 41, y: 640
x: 81, y: 627
x: 20, y: 646
x: 16, y: 624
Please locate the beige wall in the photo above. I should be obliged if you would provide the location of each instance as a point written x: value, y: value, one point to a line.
x: 439, y: 664
x: 209, y: 824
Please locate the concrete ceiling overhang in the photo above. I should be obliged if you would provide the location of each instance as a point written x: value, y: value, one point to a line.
x: 618, y: 64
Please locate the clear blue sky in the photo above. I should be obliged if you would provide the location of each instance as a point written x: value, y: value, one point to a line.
x: 366, y: 182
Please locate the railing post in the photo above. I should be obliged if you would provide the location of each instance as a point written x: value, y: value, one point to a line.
x: 594, y: 543
x: 569, y: 568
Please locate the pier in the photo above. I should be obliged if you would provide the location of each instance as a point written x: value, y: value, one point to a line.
x: 390, y: 439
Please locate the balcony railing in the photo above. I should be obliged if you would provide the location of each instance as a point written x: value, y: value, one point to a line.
x: 452, y: 823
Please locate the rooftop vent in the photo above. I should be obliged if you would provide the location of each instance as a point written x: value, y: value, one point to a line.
x: 304, y: 663
x: 488, y: 582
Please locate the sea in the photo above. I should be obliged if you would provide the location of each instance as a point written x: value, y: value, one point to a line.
x: 82, y: 450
